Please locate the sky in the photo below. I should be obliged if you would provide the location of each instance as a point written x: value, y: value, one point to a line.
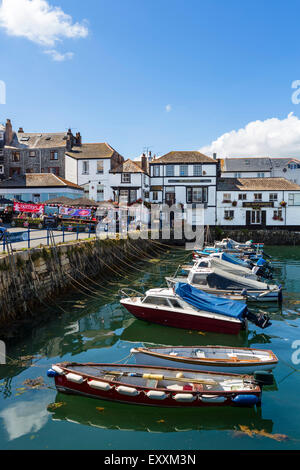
x: 215, y: 76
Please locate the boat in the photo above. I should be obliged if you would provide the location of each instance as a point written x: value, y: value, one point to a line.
x: 218, y: 281
x: 212, y: 262
x: 209, y: 358
x: 192, y: 309
x: 156, y: 386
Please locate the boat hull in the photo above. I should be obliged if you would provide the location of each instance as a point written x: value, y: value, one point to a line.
x: 196, y: 398
x: 152, y: 360
x: 188, y: 322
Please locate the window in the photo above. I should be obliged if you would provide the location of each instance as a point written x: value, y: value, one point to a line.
x: 100, y: 167
x: 294, y: 199
x: 196, y: 195
x: 133, y: 195
x: 273, y: 196
x: 53, y: 155
x: 170, y: 170
x: 277, y: 215
x: 100, y: 193
x: 36, y: 198
x: 126, y: 178
x: 228, y: 215
x: 156, y: 170
x: 226, y: 197
x: 85, y: 168
x: 183, y: 170
x: 293, y: 166
x: 260, y: 175
x: 257, y: 197
x: 54, y: 170
x: 175, y: 303
x: 16, y: 156
x: 32, y: 153
x: 242, y: 197
x: 197, y: 170
x: 155, y: 195
x: 237, y: 175
x: 255, y: 217
x: 1, y: 169
x: 156, y: 301
x: 199, y: 279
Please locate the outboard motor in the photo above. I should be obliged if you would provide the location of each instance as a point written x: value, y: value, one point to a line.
x: 262, y: 320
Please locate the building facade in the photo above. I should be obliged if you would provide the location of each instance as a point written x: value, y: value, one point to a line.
x: 258, y: 203
x: 261, y: 167
x: 185, y: 178
x: 89, y: 166
x: 24, y: 153
x: 130, y: 181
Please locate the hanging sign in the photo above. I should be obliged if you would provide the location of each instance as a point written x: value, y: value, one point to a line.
x: 72, y: 212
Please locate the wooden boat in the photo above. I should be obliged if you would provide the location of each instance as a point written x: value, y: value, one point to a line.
x: 156, y: 386
x: 209, y: 358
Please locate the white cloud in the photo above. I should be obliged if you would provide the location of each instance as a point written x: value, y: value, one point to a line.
x: 168, y: 108
x: 39, y: 22
x: 273, y: 138
x: 58, y: 57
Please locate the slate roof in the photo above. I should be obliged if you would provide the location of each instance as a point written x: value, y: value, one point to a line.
x: 90, y: 151
x: 129, y: 166
x: 39, y: 140
x: 183, y: 157
x: 256, y: 184
x: 255, y: 164
x: 37, y: 180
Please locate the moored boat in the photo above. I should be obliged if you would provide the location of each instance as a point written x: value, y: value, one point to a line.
x: 192, y: 309
x: 209, y: 358
x: 156, y: 386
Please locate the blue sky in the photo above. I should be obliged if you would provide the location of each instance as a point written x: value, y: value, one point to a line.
x: 218, y: 64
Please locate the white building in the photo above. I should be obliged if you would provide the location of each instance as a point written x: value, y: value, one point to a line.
x: 258, y: 203
x: 130, y: 181
x: 261, y: 167
x: 89, y: 166
x: 185, y: 178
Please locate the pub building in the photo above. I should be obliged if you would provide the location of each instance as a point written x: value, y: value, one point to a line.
x: 257, y: 203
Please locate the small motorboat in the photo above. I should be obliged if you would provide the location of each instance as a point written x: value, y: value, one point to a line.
x: 192, y: 309
x: 217, y: 281
x: 209, y: 358
x: 160, y: 386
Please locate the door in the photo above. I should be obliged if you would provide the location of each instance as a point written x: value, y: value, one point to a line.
x: 170, y: 199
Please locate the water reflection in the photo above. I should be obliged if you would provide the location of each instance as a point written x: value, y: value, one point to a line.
x: 155, y: 419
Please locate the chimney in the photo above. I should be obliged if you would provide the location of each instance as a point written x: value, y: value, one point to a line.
x: 144, y: 163
x: 20, y: 131
x: 78, y: 139
x: 215, y: 156
x: 8, y: 132
x: 69, y: 140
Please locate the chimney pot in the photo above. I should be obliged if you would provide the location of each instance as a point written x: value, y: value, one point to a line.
x: 20, y: 131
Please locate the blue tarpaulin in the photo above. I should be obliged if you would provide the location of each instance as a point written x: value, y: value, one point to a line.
x: 234, y: 260
x: 209, y: 302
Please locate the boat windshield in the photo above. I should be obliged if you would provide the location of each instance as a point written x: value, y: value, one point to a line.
x: 156, y: 301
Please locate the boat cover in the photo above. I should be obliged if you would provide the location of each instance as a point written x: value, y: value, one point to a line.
x: 232, y: 268
x: 221, y: 279
x: 210, y: 303
x: 234, y: 260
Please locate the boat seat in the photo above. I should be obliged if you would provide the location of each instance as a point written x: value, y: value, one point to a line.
x: 175, y: 387
x: 200, y: 354
x: 151, y: 383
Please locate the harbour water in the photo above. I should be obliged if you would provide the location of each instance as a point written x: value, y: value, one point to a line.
x: 91, y: 326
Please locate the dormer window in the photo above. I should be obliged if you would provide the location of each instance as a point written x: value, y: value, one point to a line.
x: 126, y: 178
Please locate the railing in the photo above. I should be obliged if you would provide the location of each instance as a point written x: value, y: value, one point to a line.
x: 27, y: 236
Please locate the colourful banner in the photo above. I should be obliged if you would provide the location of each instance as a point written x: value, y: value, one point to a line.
x: 33, y: 208
x: 72, y: 212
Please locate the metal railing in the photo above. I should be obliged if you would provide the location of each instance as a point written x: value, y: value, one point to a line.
x: 28, y: 236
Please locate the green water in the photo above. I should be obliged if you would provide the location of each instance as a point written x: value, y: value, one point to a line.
x: 95, y: 328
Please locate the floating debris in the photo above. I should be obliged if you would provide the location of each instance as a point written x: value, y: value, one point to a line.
x: 98, y: 408
x: 262, y: 432
x: 35, y: 383
x: 54, y: 406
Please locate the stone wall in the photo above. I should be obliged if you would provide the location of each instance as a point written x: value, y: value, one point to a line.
x: 29, y: 278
